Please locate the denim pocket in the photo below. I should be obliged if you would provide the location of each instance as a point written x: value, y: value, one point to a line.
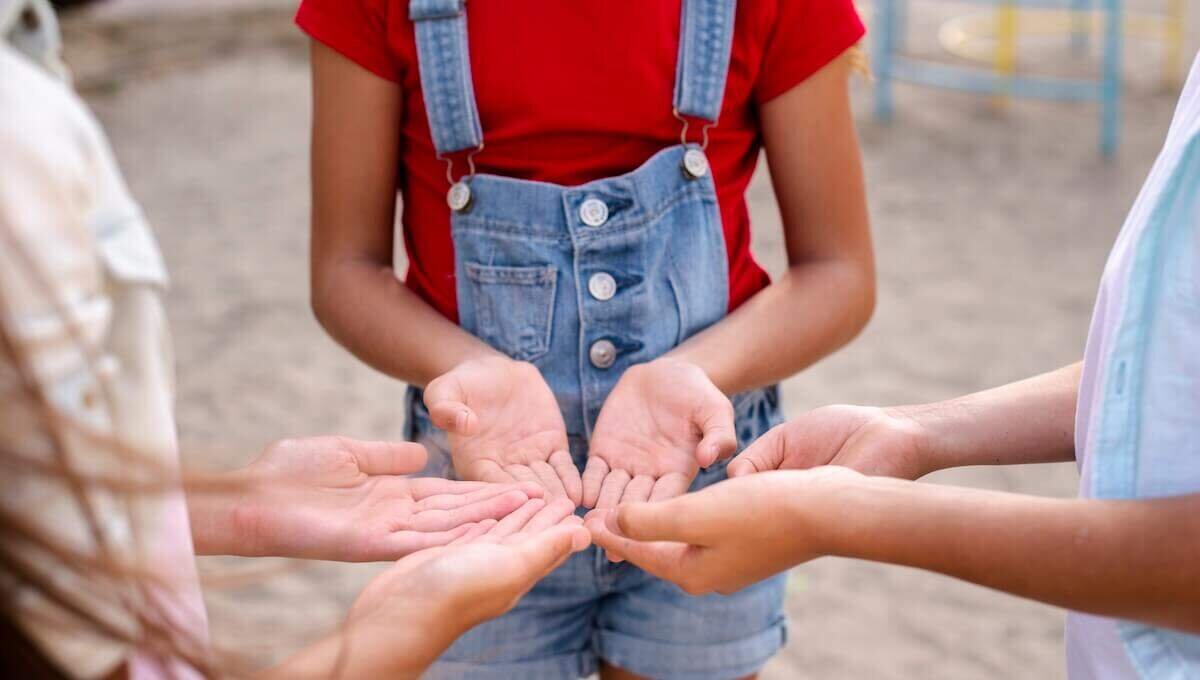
x: 514, y: 307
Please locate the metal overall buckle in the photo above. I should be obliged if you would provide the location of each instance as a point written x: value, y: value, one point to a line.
x: 459, y: 197
x: 695, y: 162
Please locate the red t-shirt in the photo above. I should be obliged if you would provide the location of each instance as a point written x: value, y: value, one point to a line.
x: 570, y: 92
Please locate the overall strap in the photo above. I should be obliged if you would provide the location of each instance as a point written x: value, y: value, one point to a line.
x: 705, y: 41
x: 445, y: 64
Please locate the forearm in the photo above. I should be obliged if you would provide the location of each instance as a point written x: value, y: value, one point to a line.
x: 827, y: 294
x: 371, y: 651
x: 366, y: 309
x: 1030, y: 421
x: 1127, y: 559
x: 213, y: 501
x: 355, y: 294
x: 809, y: 312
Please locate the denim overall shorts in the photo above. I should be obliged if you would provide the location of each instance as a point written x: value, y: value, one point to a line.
x: 584, y: 282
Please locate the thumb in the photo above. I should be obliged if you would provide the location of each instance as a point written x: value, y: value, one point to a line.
x: 387, y: 458
x: 682, y: 519
x: 446, y: 400
x: 766, y: 453
x: 718, y: 438
x: 546, y: 549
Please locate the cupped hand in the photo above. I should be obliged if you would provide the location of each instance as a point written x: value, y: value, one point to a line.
x: 729, y: 535
x: 504, y: 425
x: 334, y: 498
x: 478, y: 577
x: 660, y: 424
x: 873, y: 441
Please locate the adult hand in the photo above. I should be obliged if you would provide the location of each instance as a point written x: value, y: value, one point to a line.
x: 660, y: 424
x: 334, y: 498
x: 873, y: 441
x: 729, y: 535
x: 504, y: 425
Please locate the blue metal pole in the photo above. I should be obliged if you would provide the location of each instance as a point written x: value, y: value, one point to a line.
x: 1081, y: 25
x: 885, y: 40
x: 1110, y: 81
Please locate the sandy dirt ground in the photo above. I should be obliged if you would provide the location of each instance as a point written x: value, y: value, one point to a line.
x: 992, y: 228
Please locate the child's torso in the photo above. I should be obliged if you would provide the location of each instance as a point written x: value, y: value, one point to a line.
x: 573, y: 92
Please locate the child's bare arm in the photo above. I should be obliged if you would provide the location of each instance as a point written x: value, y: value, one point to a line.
x: 355, y: 295
x: 1128, y: 559
x: 821, y: 302
x: 828, y: 292
x: 357, y: 298
x: 1028, y: 421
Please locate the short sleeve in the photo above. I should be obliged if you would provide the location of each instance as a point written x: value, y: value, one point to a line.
x: 357, y: 29
x: 806, y: 35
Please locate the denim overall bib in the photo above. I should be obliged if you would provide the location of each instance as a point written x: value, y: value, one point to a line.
x: 584, y: 282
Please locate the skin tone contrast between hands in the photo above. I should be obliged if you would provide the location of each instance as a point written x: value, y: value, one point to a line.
x: 791, y: 500
x: 467, y: 551
x: 664, y: 419
x: 408, y: 615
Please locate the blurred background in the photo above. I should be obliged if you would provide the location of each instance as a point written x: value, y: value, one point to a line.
x: 992, y: 220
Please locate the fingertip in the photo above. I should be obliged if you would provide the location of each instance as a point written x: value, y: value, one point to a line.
x: 612, y: 520
x: 514, y: 499
x: 412, y: 456
x: 581, y: 538
x: 563, y: 505
x: 738, y: 468
x: 452, y: 416
x: 726, y: 446
x: 625, y: 520
x: 574, y: 487
x: 593, y: 478
x: 532, y: 490
x: 464, y: 421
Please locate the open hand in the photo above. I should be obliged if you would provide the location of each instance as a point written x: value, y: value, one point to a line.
x: 661, y: 423
x: 504, y: 425
x: 478, y: 577
x: 873, y: 441
x: 729, y: 535
x: 333, y: 498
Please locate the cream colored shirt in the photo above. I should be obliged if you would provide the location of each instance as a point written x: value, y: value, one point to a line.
x: 80, y: 284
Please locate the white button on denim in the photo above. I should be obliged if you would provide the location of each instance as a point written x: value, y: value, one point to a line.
x: 593, y: 212
x: 602, y: 286
x: 695, y: 163
x: 459, y: 196
x: 603, y: 354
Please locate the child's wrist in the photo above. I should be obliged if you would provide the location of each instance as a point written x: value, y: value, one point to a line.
x: 849, y: 511
x: 928, y: 430
x: 219, y: 514
x: 428, y: 626
x: 689, y: 355
x: 477, y: 352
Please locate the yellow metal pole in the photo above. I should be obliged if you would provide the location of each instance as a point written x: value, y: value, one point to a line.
x: 1006, y: 46
x: 1173, y: 50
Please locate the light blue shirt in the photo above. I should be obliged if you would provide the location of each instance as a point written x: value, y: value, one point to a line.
x: 1138, y: 419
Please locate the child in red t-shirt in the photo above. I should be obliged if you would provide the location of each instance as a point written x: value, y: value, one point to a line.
x: 580, y: 292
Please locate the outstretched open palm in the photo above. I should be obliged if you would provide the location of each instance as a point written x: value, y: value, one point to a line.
x: 873, y: 441
x: 661, y: 422
x: 504, y: 425
x: 334, y: 498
